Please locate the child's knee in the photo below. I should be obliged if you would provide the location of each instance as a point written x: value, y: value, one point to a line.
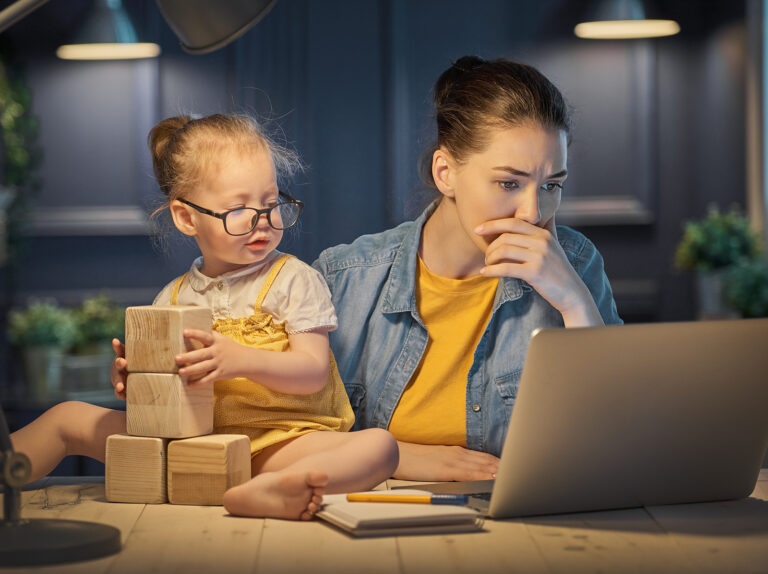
x: 84, y: 427
x: 385, y: 444
x: 66, y: 418
x: 66, y: 413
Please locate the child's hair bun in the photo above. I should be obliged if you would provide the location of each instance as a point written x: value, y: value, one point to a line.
x: 158, y: 140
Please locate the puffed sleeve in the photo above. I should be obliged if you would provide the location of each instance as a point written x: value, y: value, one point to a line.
x: 301, y: 299
x: 164, y: 297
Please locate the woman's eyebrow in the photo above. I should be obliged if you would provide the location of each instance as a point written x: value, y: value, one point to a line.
x: 522, y: 173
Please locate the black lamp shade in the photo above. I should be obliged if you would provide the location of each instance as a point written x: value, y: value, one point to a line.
x: 207, y: 25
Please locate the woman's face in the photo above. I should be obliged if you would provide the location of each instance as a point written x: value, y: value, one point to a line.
x: 520, y: 174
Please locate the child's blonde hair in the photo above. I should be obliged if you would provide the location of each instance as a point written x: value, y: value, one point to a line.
x: 184, y: 149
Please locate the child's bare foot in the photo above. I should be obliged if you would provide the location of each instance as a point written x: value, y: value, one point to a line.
x: 283, y: 494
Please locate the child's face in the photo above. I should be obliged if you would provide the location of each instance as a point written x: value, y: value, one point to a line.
x: 519, y: 175
x: 244, y: 180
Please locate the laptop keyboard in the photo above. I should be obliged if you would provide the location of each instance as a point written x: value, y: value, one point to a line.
x: 481, y: 496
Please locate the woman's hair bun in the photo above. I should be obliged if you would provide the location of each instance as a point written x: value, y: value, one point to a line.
x: 468, y: 63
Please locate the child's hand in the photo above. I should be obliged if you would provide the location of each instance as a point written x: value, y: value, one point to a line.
x: 118, y: 372
x: 217, y: 360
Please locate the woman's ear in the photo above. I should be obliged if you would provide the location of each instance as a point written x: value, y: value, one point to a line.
x: 183, y: 218
x: 443, y: 168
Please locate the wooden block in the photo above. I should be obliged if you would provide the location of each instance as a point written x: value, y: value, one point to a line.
x: 153, y: 335
x: 136, y: 469
x: 201, y: 469
x: 164, y: 405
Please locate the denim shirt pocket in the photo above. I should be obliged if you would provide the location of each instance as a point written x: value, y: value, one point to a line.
x: 507, y: 386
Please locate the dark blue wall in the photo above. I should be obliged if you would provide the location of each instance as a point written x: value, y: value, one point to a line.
x: 659, y: 127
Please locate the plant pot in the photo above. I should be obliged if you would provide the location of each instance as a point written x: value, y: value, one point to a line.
x: 42, y: 371
x: 711, y: 296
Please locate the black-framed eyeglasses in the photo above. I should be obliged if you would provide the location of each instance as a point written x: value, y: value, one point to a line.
x: 243, y: 220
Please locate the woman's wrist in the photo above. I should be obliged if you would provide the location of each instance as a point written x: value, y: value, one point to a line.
x: 582, y: 312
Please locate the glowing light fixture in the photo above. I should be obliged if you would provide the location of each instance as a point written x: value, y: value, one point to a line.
x: 107, y: 34
x: 623, y: 19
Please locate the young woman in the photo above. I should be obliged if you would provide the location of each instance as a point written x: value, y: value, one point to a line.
x: 435, y: 315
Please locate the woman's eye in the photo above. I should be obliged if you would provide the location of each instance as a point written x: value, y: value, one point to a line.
x: 509, y: 185
x: 552, y: 186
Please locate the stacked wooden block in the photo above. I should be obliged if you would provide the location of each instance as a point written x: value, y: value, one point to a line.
x: 168, y: 453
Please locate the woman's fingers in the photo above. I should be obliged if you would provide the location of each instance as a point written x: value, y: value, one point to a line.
x: 437, y: 462
x: 507, y: 225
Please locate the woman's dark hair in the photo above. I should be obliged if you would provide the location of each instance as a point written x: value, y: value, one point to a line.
x: 475, y: 95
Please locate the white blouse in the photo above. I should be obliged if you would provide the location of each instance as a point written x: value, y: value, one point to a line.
x: 299, y: 298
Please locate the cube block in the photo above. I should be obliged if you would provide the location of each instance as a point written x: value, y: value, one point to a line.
x: 164, y: 405
x: 136, y: 469
x: 201, y: 469
x: 153, y: 335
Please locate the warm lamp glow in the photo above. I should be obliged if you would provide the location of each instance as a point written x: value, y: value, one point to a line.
x: 626, y: 29
x: 108, y: 51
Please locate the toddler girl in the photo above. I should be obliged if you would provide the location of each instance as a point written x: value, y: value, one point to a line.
x: 268, y: 358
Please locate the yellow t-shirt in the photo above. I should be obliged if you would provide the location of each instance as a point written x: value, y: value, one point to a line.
x: 432, y: 409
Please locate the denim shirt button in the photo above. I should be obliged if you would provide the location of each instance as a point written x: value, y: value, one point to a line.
x: 476, y: 407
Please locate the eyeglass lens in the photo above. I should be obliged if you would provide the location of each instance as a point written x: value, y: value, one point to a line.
x: 242, y: 221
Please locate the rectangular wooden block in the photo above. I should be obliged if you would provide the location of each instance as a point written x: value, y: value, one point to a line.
x: 164, y: 405
x: 201, y: 469
x: 136, y: 469
x: 153, y: 335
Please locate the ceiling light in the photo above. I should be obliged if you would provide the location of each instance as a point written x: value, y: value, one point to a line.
x: 623, y: 19
x: 107, y: 34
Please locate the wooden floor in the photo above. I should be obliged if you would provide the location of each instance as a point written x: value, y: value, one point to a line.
x: 715, y: 537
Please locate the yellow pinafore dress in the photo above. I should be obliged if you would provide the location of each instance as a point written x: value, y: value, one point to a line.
x: 268, y: 417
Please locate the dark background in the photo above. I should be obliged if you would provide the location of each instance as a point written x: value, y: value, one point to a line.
x: 659, y: 132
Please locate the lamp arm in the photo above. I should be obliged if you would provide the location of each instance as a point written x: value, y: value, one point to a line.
x: 17, y: 11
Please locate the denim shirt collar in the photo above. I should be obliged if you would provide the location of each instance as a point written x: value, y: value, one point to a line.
x: 400, y: 288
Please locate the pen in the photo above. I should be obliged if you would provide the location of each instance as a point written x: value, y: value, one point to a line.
x: 410, y: 498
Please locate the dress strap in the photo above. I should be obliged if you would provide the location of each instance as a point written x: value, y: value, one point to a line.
x: 176, y: 288
x: 278, y: 265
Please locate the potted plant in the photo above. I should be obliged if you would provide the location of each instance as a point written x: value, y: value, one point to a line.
x: 99, y: 319
x: 746, y: 288
x: 710, y: 246
x: 44, y: 332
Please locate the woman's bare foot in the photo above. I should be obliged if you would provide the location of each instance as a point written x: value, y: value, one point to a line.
x: 282, y: 494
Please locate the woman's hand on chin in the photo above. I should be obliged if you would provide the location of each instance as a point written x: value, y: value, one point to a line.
x: 533, y: 254
x: 439, y: 463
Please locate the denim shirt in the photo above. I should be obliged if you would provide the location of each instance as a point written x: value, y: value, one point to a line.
x: 381, y: 338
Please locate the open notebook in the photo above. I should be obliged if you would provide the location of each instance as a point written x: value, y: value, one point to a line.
x: 362, y: 519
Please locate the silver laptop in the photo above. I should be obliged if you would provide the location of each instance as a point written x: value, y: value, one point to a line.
x: 632, y: 415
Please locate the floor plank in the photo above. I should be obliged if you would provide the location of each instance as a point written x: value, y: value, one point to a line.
x: 189, y: 539
x: 502, y: 547
x: 317, y: 547
x: 77, y: 499
x: 619, y: 541
x: 727, y: 536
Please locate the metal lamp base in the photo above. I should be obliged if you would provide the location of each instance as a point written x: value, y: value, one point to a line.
x: 39, y: 541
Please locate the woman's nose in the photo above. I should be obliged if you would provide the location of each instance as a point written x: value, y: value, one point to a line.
x: 528, y: 208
